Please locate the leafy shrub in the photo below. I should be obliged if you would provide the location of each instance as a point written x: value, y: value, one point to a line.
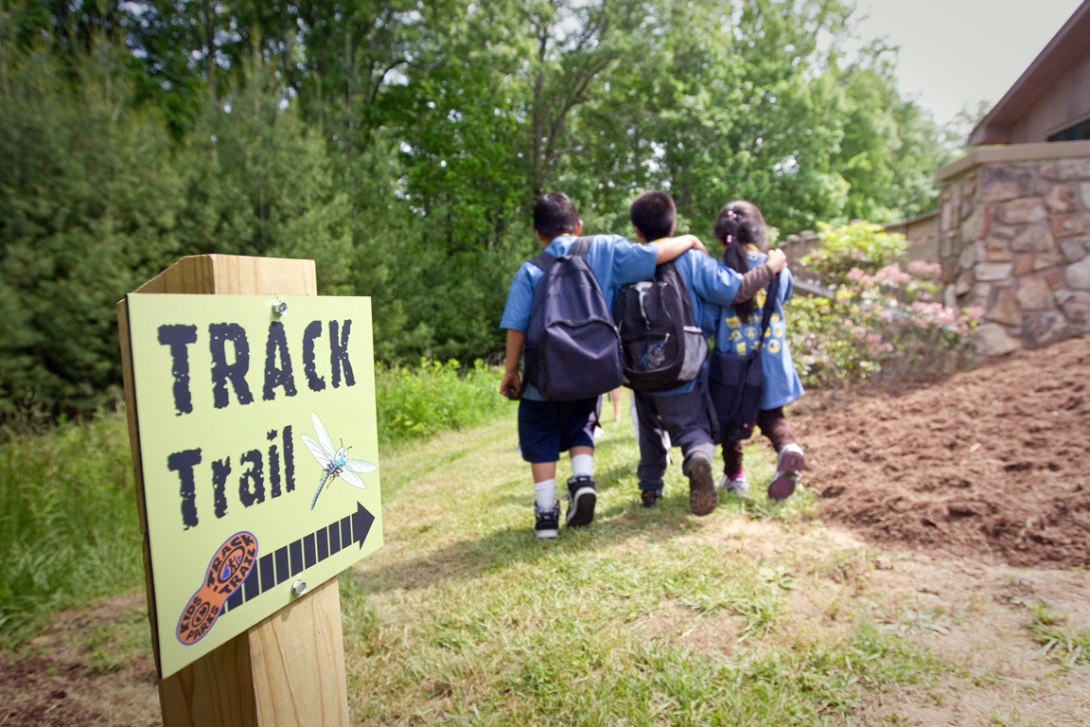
x: 859, y: 245
x: 881, y: 318
x: 434, y: 397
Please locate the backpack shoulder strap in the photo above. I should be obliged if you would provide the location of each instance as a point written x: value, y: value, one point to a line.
x: 543, y: 260
x: 578, y: 249
x: 580, y: 246
x: 770, y: 305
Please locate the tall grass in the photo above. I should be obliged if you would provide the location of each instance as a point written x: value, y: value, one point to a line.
x: 433, y: 397
x: 68, y: 522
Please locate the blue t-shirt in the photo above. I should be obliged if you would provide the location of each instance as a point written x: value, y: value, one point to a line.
x: 781, y: 381
x: 710, y: 285
x: 612, y: 258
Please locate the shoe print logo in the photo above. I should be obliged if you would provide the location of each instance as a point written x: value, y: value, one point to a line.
x: 228, y: 569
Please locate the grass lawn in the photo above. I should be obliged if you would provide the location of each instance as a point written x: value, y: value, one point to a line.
x: 648, y: 616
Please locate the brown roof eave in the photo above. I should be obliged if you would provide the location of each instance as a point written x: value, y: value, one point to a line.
x: 1063, y: 50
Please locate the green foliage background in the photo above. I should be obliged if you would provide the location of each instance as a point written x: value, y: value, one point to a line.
x: 401, y: 145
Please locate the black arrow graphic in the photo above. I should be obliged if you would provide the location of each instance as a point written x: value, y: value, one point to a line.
x: 295, y: 557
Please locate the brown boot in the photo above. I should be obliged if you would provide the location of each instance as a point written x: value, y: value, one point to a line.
x: 702, y: 495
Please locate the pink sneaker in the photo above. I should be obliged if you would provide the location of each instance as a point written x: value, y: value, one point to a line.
x: 736, y: 484
x: 789, y: 467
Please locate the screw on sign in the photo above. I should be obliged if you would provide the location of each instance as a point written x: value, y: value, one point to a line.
x: 228, y: 569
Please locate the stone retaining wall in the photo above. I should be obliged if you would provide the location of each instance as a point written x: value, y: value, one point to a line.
x: 1014, y: 239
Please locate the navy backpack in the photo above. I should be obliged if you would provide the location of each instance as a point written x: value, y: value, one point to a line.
x: 735, y: 381
x: 572, y: 346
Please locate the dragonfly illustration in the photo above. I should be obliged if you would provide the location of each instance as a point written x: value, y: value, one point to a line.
x: 335, y: 462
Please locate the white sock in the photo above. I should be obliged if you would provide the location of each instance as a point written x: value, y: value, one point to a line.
x: 545, y: 494
x: 582, y: 464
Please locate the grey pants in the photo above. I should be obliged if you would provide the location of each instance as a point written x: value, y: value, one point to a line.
x: 685, y: 418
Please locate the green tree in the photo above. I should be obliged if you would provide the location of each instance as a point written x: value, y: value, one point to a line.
x: 489, y: 128
x: 402, y: 144
x: 891, y: 147
x: 88, y: 207
x: 259, y: 182
x: 769, y: 139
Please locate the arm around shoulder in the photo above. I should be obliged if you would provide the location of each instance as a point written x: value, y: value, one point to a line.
x: 670, y: 248
x: 761, y: 275
x: 777, y: 260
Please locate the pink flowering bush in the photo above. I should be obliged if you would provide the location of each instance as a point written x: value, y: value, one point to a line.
x: 882, y: 318
x: 860, y: 245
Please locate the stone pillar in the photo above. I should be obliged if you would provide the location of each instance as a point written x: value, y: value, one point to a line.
x: 1014, y: 240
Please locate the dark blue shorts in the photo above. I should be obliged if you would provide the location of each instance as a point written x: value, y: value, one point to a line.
x: 547, y: 428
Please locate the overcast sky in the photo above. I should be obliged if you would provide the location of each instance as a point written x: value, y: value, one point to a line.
x: 958, y: 52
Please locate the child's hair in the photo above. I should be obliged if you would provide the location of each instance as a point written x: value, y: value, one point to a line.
x: 740, y: 223
x: 654, y: 214
x: 555, y: 214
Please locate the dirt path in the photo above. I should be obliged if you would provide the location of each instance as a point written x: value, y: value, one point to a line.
x: 976, y: 486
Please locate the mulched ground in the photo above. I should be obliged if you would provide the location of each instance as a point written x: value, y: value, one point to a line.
x: 990, y: 463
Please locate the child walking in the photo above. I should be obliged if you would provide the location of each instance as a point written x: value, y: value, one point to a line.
x: 682, y: 416
x: 740, y: 228
x: 547, y: 428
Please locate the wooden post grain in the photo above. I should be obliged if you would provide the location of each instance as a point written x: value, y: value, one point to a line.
x: 288, y: 669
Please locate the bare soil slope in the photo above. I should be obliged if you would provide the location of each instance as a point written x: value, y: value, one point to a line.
x: 991, y: 463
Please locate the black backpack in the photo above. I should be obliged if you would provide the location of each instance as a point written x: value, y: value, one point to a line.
x: 735, y: 382
x: 662, y: 346
x: 572, y: 347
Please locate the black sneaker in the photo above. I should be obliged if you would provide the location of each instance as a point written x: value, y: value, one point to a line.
x: 650, y: 498
x: 582, y: 496
x: 547, y: 522
x: 702, y: 495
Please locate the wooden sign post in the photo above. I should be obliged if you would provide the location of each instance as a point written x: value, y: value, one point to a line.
x: 285, y: 665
